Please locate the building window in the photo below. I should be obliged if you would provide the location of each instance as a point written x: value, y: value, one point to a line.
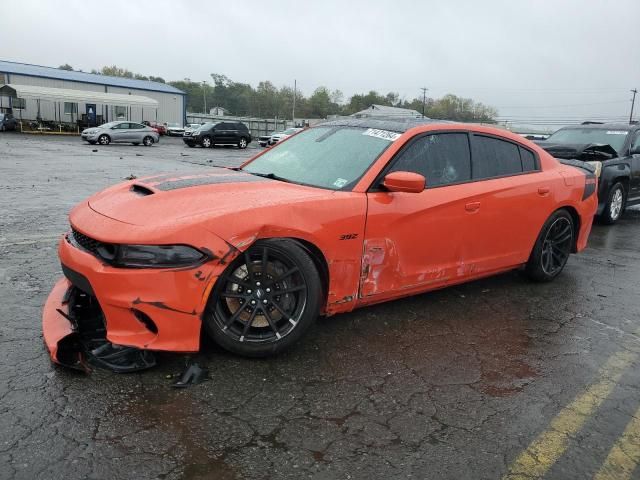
x: 3, y: 79
x: 70, y: 108
x: 19, y: 103
x: 120, y: 112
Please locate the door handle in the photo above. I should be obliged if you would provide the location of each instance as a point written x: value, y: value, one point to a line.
x: 543, y: 191
x: 472, y: 207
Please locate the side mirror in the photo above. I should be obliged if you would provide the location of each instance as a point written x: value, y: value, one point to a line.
x: 408, y: 182
x: 635, y: 151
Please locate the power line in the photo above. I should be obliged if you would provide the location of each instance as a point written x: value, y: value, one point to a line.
x: 562, y: 106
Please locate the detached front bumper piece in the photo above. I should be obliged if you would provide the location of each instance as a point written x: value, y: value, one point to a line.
x: 75, y: 335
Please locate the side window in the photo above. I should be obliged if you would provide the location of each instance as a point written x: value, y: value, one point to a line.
x: 494, y: 158
x: 636, y: 142
x: 442, y: 158
x: 528, y: 160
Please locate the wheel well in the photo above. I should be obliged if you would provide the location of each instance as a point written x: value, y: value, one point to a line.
x: 624, y: 181
x: 320, y: 262
x: 576, y: 222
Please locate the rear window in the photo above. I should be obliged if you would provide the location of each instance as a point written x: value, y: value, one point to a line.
x: 528, y: 160
x: 494, y: 158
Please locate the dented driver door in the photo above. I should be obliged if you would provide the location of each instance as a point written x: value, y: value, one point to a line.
x: 418, y: 241
x: 414, y: 241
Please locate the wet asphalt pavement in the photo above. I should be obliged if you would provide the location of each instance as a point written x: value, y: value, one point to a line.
x: 453, y: 384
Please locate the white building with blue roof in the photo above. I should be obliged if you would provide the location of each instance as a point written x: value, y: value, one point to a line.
x: 34, y: 91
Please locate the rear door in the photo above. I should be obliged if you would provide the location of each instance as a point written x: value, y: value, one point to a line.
x: 513, y: 200
x: 221, y: 133
x: 137, y: 132
x: 415, y: 241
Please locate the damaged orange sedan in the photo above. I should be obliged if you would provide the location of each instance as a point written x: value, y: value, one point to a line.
x: 342, y: 215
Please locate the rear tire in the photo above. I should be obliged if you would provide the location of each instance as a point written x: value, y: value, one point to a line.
x: 242, y: 144
x: 615, y: 204
x: 104, y: 140
x: 265, y: 300
x: 147, y: 141
x: 552, y: 248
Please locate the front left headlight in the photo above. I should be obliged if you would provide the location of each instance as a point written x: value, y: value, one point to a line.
x: 152, y: 256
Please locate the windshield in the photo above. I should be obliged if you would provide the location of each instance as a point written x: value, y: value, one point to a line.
x: 109, y: 125
x: 326, y: 157
x: 612, y: 137
x: 290, y: 131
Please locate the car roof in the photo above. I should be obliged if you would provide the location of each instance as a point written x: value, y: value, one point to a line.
x: 392, y: 124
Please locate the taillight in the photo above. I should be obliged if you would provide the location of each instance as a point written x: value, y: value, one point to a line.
x: 590, y: 184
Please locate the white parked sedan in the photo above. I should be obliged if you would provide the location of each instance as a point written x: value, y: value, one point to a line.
x: 276, y: 137
x: 122, y: 132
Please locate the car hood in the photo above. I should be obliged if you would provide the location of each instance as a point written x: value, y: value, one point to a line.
x: 174, y: 198
x: 586, y: 152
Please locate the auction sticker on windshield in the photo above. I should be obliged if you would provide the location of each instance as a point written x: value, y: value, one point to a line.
x: 617, y: 132
x: 384, y: 134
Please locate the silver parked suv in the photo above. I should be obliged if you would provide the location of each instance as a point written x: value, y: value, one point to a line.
x: 123, y: 132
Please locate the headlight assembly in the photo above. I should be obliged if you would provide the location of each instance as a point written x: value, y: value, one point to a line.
x: 148, y: 256
x: 154, y: 256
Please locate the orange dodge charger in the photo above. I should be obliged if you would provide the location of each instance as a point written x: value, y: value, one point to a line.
x: 339, y: 216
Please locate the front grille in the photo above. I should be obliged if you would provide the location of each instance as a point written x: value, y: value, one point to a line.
x: 87, y: 243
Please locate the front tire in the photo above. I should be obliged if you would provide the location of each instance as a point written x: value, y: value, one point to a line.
x: 265, y: 300
x: 104, y: 140
x: 147, y: 141
x: 615, y: 204
x: 206, y: 142
x: 552, y: 248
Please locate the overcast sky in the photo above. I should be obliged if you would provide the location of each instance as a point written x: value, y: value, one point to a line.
x: 531, y: 60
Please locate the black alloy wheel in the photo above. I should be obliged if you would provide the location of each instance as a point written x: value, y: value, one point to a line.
x: 265, y: 299
x: 552, y: 248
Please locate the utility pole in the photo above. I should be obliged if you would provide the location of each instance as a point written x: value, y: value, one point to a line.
x: 424, y: 99
x: 204, y: 95
x: 633, y: 101
x: 293, y: 114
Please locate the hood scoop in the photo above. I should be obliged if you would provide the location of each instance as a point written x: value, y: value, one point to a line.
x: 141, y: 190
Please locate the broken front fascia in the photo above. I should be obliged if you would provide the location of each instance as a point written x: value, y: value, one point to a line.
x: 144, y: 309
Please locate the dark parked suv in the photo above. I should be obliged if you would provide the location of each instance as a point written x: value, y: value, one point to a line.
x: 614, y: 152
x: 219, y: 133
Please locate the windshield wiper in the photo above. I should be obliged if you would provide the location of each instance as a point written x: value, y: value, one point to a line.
x: 270, y: 175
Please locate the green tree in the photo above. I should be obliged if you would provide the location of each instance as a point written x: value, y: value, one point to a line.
x: 66, y: 66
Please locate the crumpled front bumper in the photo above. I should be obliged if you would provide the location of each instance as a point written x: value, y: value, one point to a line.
x: 75, y: 334
x: 57, y: 329
x: 127, y: 311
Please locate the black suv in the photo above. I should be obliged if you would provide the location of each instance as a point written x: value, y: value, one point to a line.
x: 614, y: 150
x: 219, y: 133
